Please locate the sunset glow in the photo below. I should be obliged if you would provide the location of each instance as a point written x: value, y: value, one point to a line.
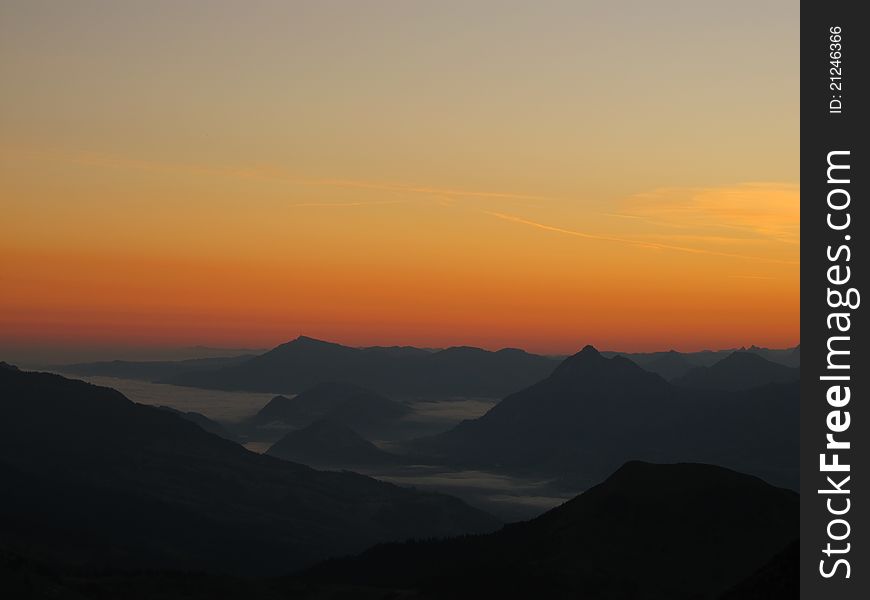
x: 442, y: 182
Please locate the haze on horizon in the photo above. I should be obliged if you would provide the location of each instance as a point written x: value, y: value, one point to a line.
x: 495, y: 174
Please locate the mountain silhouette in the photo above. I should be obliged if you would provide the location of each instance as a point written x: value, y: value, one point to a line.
x: 306, y: 362
x: 339, y: 402
x: 94, y: 480
x: 330, y: 444
x: 738, y: 371
x: 595, y: 413
x: 666, y: 531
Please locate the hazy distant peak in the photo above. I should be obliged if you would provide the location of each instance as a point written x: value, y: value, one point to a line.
x: 7, y: 366
x: 306, y: 340
x: 743, y: 357
x: 511, y: 351
x: 460, y: 350
x: 304, y: 343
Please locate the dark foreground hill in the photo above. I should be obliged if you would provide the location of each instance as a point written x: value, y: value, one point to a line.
x: 92, y: 479
x: 306, y: 362
x: 649, y: 531
x: 595, y: 413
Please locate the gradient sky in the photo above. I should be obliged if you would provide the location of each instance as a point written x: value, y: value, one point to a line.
x: 533, y: 174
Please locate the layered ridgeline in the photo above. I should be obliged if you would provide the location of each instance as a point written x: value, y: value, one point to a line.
x: 306, y: 362
x: 672, y: 364
x: 669, y: 365
x: 90, y: 478
x: 401, y: 370
x: 594, y: 413
x: 738, y: 371
x: 351, y: 405
x: 149, y: 370
x: 676, y: 532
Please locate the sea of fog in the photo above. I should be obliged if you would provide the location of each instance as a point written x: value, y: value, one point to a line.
x: 215, y: 404
x: 508, y: 497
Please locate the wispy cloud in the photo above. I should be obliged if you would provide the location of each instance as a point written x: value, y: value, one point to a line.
x: 757, y: 210
x: 344, y: 204
x: 634, y: 241
x: 271, y: 173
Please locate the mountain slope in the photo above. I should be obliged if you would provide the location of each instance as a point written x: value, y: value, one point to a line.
x: 738, y: 371
x: 673, y: 532
x: 94, y: 479
x: 306, y: 362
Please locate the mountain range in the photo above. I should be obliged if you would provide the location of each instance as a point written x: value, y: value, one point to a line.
x: 397, y: 370
x: 306, y: 362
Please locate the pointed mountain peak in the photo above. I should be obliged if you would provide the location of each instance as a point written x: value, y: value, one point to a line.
x: 590, y: 365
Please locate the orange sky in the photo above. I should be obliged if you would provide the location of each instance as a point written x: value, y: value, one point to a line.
x: 212, y: 174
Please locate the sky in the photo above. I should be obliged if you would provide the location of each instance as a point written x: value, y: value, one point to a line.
x: 541, y: 175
